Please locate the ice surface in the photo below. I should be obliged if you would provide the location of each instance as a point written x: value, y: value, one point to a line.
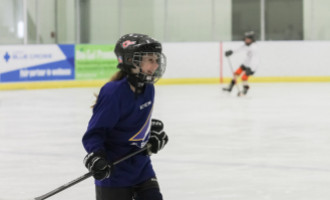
x: 272, y: 144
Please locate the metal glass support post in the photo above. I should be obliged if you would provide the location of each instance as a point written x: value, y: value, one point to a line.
x: 25, y: 22
x: 262, y: 21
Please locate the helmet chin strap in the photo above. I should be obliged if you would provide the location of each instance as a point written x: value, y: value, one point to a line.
x: 136, y: 83
x: 137, y: 80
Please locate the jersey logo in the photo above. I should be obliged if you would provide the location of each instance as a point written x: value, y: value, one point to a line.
x: 143, y: 133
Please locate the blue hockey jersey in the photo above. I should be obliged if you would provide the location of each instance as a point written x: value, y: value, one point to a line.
x: 120, y: 125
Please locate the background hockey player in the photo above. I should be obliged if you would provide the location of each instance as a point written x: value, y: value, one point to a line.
x: 121, y: 123
x: 250, y: 64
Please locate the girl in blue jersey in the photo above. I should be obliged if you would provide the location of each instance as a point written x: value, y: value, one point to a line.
x: 121, y: 124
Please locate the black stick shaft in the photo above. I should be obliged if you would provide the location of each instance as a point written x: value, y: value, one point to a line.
x: 65, y: 186
x: 85, y: 176
x: 232, y: 70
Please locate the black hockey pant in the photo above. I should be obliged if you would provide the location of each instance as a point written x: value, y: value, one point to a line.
x: 148, y: 190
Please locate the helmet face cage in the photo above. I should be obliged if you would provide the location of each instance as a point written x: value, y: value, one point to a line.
x: 161, y: 61
x: 130, y: 50
x: 249, y: 34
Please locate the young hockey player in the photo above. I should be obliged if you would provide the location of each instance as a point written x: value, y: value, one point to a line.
x: 121, y: 123
x: 250, y: 64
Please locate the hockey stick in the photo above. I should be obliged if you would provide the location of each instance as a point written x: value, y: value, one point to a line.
x: 232, y: 71
x: 85, y: 176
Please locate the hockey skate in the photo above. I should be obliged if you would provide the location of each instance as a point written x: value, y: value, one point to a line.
x: 244, y: 92
x: 227, y: 89
x: 230, y: 87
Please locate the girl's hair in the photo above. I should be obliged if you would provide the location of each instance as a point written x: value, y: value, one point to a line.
x: 117, y: 76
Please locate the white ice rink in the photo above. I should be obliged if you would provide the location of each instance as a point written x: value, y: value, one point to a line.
x: 273, y: 144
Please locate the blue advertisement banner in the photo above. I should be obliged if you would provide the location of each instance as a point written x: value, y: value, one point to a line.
x: 37, y: 63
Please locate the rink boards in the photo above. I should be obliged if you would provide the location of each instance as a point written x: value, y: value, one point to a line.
x: 58, y: 66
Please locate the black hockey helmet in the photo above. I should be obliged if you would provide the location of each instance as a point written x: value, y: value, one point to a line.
x: 250, y: 34
x: 130, y: 49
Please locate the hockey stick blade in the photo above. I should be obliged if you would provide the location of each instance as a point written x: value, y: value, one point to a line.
x: 85, y: 176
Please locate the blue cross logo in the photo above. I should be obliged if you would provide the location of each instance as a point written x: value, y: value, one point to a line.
x: 6, y: 56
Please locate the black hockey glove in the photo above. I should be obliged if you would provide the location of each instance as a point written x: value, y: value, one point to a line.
x: 158, y: 138
x: 228, y: 53
x: 97, y: 163
x: 248, y: 70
